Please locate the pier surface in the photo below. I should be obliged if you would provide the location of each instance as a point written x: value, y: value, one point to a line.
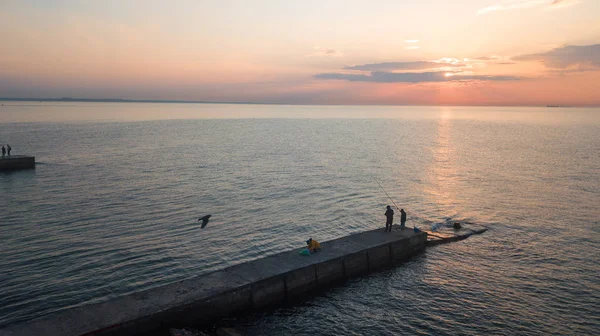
x: 253, y: 285
x: 16, y: 162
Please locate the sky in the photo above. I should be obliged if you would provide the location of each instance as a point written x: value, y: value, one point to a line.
x: 426, y: 52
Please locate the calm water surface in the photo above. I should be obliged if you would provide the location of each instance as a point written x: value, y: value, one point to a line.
x: 111, y: 208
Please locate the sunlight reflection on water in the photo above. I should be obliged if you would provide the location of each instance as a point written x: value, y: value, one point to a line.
x: 112, y: 209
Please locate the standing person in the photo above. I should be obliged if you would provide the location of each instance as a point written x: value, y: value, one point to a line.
x: 389, y: 214
x: 8, y: 148
x: 3, y: 150
x: 402, y: 219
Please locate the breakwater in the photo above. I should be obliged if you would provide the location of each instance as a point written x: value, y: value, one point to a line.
x: 16, y: 162
x: 253, y: 285
x: 249, y: 286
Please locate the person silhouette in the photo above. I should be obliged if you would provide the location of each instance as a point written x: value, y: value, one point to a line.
x: 8, y: 148
x: 3, y: 150
x: 402, y: 219
x: 389, y: 214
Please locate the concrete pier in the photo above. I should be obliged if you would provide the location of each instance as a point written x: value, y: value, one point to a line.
x: 253, y: 285
x: 16, y: 162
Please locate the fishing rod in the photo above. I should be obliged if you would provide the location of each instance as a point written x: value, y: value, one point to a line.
x: 388, y: 195
x: 415, y: 215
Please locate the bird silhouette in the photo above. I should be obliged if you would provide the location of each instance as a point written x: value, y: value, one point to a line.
x: 204, y: 221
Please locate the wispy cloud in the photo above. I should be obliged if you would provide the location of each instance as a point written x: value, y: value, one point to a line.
x: 417, y: 65
x: 490, y: 60
x: 485, y: 58
x: 411, y: 44
x: 412, y: 77
x: 523, y: 4
x: 510, y: 5
x: 442, y: 70
x: 564, y: 72
x: 328, y: 52
x: 557, y: 4
x: 567, y: 57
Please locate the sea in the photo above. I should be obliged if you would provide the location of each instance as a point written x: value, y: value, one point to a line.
x: 112, y: 207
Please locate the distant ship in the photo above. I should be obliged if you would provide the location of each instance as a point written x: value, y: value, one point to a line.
x: 553, y: 106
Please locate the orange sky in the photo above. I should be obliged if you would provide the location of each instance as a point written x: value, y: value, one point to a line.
x: 475, y: 52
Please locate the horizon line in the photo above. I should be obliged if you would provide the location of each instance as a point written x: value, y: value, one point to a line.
x: 175, y: 101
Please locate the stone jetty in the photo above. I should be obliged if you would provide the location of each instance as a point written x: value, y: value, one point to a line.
x: 16, y: 162
x: 257, y: 284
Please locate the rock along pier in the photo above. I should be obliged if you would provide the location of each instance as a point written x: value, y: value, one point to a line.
x: 241, y: 288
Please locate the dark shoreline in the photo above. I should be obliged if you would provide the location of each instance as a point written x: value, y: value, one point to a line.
x: 117, y: 100
x: 168, y: 101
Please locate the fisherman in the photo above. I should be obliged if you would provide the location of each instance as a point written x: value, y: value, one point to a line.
x: 389, y: 215
x: 313, y: 245
x: 8, y: 148
x: 402, y: 219
x: 3, y: 150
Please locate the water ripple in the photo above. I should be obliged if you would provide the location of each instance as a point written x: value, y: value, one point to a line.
x: 116, y: 212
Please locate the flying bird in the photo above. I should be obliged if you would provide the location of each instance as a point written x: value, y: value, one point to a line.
x: 204, y: 221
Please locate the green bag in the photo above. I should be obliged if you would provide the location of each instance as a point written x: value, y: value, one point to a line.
x: 304, y: 252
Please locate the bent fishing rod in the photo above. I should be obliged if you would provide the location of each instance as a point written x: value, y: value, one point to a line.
x: 416, y: 215
x: 388, y: 195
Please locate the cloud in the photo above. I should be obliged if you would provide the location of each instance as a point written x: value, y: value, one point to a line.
x: 326, y: 52
x: 557, y: 4
x: 511, y: 4
x: 411, y: 77
x: 564, y: 72
x: 442, y: 70
x: 411, y: 44
x: 523, y: 4
x: 485, y: 58
x: 567, y: 56
x: 490, y: 60
x: 418, y: 65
